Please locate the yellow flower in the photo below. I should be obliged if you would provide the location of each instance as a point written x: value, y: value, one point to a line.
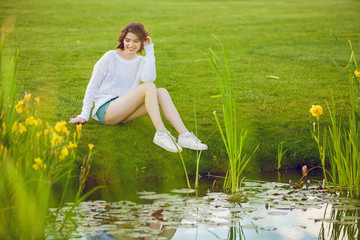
x: 35, y: 166
x: 37, y: 99
x: 27, y: 96
x: 71, y: 145
x: 91, y: 146
x: 4, y: 128
x: 18, y: 107
x: 31, y: 121
x: 38, y: 134
x: 14, y: 127
x: 46, y: 131
x: 357, y: 73
x: 57, y: 139
x: 64, y: 153
x: 22, y: 128
x: 78, y: 127
x: 60, y: 127
x: 316, y: 110
x: 38, y: 161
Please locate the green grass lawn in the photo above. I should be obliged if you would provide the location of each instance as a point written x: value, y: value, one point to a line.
x: 288, y: 39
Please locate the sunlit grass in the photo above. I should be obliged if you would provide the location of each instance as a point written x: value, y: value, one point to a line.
x: 287, y: 39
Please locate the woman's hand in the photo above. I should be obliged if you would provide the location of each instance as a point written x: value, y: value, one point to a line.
x: 78, y: 120
x: 147, y: 41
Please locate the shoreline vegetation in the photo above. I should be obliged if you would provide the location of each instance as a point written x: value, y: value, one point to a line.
x: 280, y: 61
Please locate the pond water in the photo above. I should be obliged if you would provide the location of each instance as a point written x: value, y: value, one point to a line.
x: 263, y: 210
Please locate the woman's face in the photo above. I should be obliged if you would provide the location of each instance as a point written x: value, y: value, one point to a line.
x: 132, y: 43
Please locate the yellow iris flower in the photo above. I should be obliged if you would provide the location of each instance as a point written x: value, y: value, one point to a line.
x: 31, y: 121
x: 21, y: 128
x: 64, y: 153
x: 91, y: 146
x: 60, y: 127
x: 71, y: 145
x: 316, y: 110
x: 19, y: 108
x: 27, y: 96
x: 357, y: 73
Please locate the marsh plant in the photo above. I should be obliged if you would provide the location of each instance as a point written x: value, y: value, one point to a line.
x: 33, y: 157
x: 342, y: 141
x: 280, y: 154
x: 233, y: 138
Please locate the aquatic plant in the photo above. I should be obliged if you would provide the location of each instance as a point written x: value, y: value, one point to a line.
x: 182, y: 162
x: 280, y: 154
x: 343, y: 141
x: 33, y: 157
x: 233, y: 139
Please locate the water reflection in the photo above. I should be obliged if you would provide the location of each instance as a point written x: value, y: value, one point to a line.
x: 271, y: 211
x: 341, y: 223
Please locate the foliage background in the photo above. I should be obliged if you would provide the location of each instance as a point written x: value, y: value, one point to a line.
x: 288, y: 39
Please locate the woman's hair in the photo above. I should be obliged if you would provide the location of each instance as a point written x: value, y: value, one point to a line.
x: 136, y: 28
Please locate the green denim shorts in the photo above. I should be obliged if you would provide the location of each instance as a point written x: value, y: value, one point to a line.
x: 102, y: 110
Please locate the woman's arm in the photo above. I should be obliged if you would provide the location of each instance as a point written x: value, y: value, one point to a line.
x: 100, y: 71
x: 147, y: 68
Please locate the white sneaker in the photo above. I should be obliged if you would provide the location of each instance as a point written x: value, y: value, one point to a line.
x: 166, y: 143
x: 191, y: 142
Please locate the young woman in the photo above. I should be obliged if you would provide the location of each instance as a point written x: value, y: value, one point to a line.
x: 119, y: 97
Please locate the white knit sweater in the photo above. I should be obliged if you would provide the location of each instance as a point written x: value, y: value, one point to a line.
x: 113, y: 76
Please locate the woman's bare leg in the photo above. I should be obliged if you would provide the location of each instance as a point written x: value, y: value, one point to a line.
x: 169, y: 110
x: 122, y: 108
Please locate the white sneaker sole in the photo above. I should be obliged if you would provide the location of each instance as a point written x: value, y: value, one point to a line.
x: 200, y: 148
x: 174, y: 150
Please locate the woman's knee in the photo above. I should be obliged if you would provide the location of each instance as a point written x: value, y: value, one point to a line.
x: 162, y: 94
x: 149, y: 85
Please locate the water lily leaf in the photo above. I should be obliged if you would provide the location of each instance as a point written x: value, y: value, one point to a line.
x: 146, y: 193
x: 268, y: 228
x: 139, y: 235
x: 184, y: 190
x: 157, y: 212
x: 249, y: 226
x: 236, y: 209
x: 277, y: 213
x: 249, y: 209
x: 257, y: 202
x: 240, y: 198
x: 284, y: 207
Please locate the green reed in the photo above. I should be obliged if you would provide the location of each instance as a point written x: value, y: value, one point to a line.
x: 280, y: 154
x: 341, y: 139
x: 233, y: 139
x: 182, y: 162
x: 33, y: 157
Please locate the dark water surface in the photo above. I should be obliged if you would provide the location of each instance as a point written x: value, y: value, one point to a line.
x: 268, y: 209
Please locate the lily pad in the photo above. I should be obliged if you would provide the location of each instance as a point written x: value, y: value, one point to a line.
x: 183, y: 190
x: 277, y: 213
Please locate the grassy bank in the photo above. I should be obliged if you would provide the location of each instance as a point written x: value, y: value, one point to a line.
x: 287, y: 39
